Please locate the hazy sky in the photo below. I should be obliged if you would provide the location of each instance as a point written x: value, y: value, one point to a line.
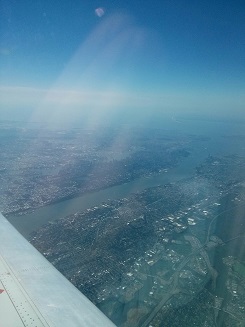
x: 172, y: 55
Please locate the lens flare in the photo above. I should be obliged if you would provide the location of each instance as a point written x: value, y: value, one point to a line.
x: 99, y: 12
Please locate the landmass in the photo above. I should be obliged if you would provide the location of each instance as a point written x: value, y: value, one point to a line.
x: 40, y: 166
x: 169, y: 255
x: 159, y: 256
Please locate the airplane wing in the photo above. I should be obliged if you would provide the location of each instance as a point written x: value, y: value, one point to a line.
x: 34, y: 293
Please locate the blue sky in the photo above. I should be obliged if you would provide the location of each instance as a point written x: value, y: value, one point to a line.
x: 174, y: 55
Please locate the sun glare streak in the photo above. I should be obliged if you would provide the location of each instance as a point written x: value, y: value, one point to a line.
x: 86, y: 92
x: 89, y: 52
x: 85, y: 86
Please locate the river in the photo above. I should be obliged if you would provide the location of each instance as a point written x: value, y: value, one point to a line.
x: 216, y: 144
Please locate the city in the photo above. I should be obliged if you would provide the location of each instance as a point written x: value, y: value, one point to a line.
x: 157, y: 254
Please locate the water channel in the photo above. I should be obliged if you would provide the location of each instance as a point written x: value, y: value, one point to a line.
x: 214, y: 145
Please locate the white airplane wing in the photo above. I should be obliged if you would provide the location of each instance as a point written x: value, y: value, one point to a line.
x: 34, y: 293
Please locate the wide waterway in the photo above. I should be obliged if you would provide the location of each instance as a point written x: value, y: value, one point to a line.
x: 200, y: 150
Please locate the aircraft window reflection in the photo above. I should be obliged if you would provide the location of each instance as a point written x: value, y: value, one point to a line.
x: 122, y: 153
